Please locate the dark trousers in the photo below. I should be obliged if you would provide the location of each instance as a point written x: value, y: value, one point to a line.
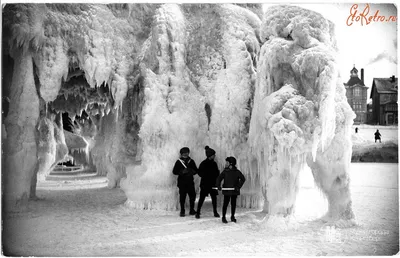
x: 228, y: 198
x: 189, y: 190
x: 203, y: 195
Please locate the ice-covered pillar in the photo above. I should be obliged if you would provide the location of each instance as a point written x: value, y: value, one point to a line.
x: 20, y: 147
x: 173, y: 116
x: 300, y: 111
x: 330, y: 166
x: 52, y: 147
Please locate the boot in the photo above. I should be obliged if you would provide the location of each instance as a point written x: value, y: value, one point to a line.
x: 182, y: 214
x: 216, y: 214
x: 224, y: 220
x: 192, y: 212
x: 197, y: 215
x: 233, y: 219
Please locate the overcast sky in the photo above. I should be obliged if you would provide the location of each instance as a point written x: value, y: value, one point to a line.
x: 372, y: 47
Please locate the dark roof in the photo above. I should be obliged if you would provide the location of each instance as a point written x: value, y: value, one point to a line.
x: 385, y: 85
x: 353, y: 81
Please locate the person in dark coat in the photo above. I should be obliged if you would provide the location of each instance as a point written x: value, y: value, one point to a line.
x: 233, y: 178
x: 185, y: 168
x: 209, y: 172
x: 377, y: 135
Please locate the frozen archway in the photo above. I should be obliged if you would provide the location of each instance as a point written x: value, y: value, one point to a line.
x: 141, y: 81
x: 301, y: 115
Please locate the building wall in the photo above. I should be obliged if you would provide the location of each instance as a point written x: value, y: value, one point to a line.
x: 388, y: 114
x: 357, y: 99
x: 375, y: 107
x: 385, y: 97
x: 384, y: 114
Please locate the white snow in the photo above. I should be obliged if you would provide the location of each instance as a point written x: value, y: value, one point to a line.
x: 85, y: 218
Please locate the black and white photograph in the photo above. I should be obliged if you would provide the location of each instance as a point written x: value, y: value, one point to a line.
x: 166, y: 129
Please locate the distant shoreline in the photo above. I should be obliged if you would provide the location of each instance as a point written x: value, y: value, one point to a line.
x: 376, y: 152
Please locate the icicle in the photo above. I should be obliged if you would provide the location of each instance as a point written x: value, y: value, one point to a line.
x: 108, y: 109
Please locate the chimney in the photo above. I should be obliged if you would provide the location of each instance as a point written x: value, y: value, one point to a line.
x: 362, y: 75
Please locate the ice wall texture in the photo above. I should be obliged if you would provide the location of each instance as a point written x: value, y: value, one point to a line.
x: 20, y: 125
x: 268, y: 93
x: 199, y: 79
x: 300, y: 112
x: 49, y: 43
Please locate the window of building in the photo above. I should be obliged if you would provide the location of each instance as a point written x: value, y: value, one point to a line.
x: 391, y: 107
x: 357, y: 106
x: 357, y: 92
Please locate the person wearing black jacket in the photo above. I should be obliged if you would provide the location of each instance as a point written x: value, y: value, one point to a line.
x: 209, y: 172
x: 233, y: 178
x: 377, y: 135
x: 185, y: 168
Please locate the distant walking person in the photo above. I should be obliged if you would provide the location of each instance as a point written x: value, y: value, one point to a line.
x: 377, y: 136
x: 356, y: 129
x: 233, y: 178
x: 209, y: 172
x: 185, y: 168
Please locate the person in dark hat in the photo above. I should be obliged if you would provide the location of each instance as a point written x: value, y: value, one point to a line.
x: 209, y: 172
x: 232, y: 178
x: 185, y: 168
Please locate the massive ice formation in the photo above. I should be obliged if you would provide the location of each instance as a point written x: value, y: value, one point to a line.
x: 70, y: 58
x: 198, y: 83
x: 136, y: 82
x: 300, y: 111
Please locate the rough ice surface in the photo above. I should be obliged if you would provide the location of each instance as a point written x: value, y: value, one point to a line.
x: 52, y: 146
x: 20, y: 127
x: 300, y: 112
x: 140, y: 81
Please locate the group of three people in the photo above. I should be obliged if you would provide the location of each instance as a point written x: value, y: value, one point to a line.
x: 211, y: 179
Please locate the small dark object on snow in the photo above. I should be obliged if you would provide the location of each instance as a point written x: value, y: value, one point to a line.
x: 377, y: 136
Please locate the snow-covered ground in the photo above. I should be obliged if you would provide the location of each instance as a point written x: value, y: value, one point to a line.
x: 366, y: 133
x: 85, y: 218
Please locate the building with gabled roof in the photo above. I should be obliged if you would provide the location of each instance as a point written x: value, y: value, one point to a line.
x: 356, y: 93
x: 384, y: 101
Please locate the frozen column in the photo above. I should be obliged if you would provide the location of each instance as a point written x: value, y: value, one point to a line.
x: 300, y: 111
x: 331, y: 167
x: 172, y: 116
x: 282, y: 185
x: 20, y: 153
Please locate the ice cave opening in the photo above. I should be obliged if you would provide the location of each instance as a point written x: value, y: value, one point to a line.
x: 134, y: 83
